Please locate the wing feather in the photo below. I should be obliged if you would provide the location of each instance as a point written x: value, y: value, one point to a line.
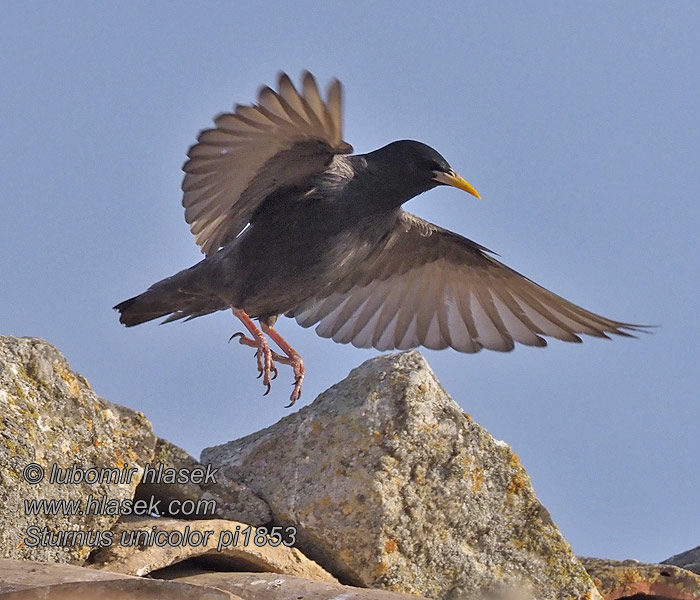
x: 492, y: 331
x: 389, y: 311
x: 284, y: 139
x: 431, y: 287
x: 407, y: 313
x: 290, y: 94
x: 334, y: 110
x: 313, y: 104
x: 374, y: 298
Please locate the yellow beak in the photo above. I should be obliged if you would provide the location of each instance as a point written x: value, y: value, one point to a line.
x: 455, y: 180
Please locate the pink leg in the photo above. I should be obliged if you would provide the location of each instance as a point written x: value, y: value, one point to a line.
x: 264, y: 355
x: 292, y: 358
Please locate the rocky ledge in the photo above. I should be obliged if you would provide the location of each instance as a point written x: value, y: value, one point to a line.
x: 382, y: 487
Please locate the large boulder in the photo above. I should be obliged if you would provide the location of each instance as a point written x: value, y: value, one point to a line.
x: 690, y: 560
x: 631, y: 579
x: 27, y: 580
x: 228, y: 499
x: 145, y: 545
x: 390, y: 485
x: 273, y: 586
x: 55, y: 428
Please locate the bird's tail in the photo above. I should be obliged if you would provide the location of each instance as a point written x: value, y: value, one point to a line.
x: 175, y: 296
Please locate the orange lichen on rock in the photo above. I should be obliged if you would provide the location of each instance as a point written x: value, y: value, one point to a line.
x: 390, y: 546
x: 477, y: 479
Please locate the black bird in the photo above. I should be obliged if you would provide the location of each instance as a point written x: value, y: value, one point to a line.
x: 290, y: 224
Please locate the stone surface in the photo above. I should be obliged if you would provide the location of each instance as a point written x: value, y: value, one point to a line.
x: 21, y: 574
x: 620, y: 579
x: 273, y: 586
x: 27, y: 580
x: 142, y: 556
x: 233, y: 500
x: 690, y: 560
x: 50, y: 416
x: 392, y: 486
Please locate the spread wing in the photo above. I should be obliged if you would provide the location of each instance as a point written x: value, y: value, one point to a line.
x: 431, y: 287
x: 284, y: 139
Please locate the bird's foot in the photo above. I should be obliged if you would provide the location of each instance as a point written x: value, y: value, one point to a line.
x: 297, y: 364
x: 263, y: 354
x: 291, y: 358
x: 266, y: 357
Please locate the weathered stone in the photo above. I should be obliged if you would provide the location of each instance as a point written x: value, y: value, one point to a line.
x: 21, y: 574
x: 233, y: 501
x: 52, y: 418
x: 273, y: 586
x: 690, y: 560
x: 27, y: 580
x: 391, y: 485
x: 216, y: 539
x: 622, y: 579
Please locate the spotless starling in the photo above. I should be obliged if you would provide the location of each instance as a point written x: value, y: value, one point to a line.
x: 291, y: 223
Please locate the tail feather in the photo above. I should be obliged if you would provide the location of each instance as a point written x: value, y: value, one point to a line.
x: 172, y: 296
x: 142, y: 308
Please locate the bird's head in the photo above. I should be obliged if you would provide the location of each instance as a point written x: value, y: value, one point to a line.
x: 407, y: 168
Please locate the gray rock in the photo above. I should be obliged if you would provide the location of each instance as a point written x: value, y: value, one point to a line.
x: 392, y: 486
x: 145, y: 545
x: 690, y: 560
x: 53, y: 419
x: 628, y: 578
x: 232, y: 500
x: 26, y: 580
x: 273, y: 586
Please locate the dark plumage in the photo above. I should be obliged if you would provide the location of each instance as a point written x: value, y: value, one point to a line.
x: 290, y: 224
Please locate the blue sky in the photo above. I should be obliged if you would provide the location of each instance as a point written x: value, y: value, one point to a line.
x: 577, y: 122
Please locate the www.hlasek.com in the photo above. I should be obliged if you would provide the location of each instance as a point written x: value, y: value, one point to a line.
x: 35, y: 474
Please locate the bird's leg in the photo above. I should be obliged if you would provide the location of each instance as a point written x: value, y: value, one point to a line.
x: 264, y: 355
x: 292, y: 358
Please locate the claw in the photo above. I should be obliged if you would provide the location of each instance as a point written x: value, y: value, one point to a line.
x: 266, y: 357
x: 296, y: 394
